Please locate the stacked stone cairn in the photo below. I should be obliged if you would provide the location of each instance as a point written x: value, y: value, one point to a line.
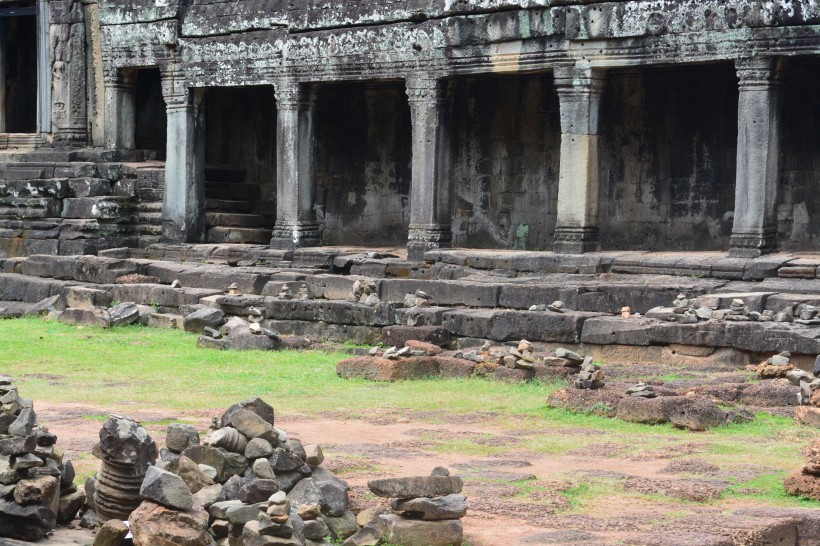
x: 427, y: 511
x: 779, y: 366
x: 247, y: 484
x: 37, y: 490
x: 642, y: 390
x: 806, y: 482
x: 687, y: 310
x: 366, y: 292
x: 555, y: 307
x: 591, y: 376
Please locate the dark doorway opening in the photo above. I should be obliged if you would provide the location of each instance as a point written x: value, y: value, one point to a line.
x: 240, y: 164
x: 20, y: 73
x: 364, y: 163
x: 506, y: 140
x: 668, y: 158
x: 151, y: 131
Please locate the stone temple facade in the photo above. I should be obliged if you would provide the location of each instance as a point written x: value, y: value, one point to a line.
x: 566, y: 125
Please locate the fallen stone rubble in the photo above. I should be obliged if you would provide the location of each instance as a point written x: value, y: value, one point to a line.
x: 37, y: 490
x: 247, y: 484
x: 806, y: 482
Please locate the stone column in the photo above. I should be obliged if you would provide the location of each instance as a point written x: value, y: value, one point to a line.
x: 183, y: 204
x: 579, y: 186
x: 45, y: 68
x: 758, y: 143
x: 120, y: 122
x: 430, y: 191
x: 296, y: 224
x: 2, y: 74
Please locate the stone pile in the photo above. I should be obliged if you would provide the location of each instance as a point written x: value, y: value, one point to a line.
x: 591, y: 376
x: 642, y: 390
x: 806, y: 482
x: 419, y: 359
x: 237, y: 333
x: 419, y: 298
x: 366, y: 292
x: 779, y: 367
x: 246, y: 484
x: 686, y: 310
x: 37, y: 488
x: 427, y: 511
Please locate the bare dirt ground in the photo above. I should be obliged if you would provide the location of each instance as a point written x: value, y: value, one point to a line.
x: 514, y: 495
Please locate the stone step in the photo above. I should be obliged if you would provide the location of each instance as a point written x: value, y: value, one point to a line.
x: 228, y: 205
x: 239, y: 191
x: 229, y: 219
x: 239, y: 235
x: 224, y: 173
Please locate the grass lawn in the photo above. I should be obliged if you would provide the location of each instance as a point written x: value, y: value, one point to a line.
x: 150, y: 368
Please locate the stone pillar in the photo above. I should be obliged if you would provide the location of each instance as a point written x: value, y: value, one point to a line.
x: 120, y: 122
x: 2, y: 74
x: 62, y: 66
x: 579, y: 186
x: 430, y: 191
x: 296, y: 224
x: 758, y: 143
x: 45, y: 68
x: 183, y: 204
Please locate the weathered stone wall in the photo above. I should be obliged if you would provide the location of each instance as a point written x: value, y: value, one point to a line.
x: 668, y: 158
x: 799, y: 200
x: 363, y: 163
x: 506, y: 147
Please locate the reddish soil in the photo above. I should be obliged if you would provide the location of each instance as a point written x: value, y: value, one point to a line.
x: 359, y: 448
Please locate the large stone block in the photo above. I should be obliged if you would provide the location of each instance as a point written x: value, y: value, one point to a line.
x: 446, y: 293
x: 336, y: 312
x: 515, y: 325
x: 399, y: 530
x: 381, y: 369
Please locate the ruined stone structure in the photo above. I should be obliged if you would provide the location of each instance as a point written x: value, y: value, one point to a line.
x: 570, y: 125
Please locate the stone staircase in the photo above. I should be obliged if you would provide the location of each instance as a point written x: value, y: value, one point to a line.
x: 67, y: 201
x: 233, y: 209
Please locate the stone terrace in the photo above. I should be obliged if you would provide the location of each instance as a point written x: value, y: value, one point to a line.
x: 475, y: 295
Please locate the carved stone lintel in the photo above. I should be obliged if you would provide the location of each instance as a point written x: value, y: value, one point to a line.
x: 753, y: 245
x: 576, y: 240
x: 291, y: 235
x: 425, y: 237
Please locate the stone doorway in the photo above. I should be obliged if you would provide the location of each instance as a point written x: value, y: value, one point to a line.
x: 364, y: 156
x: 151, y: 121
x: 18, y: 69
x: 668, y: 157
x: 240, y: 164
x: 506, y: 138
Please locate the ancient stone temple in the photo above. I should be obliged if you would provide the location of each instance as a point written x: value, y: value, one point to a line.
x: 566, y: 125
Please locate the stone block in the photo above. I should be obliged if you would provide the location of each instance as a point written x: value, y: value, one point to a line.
x: 83, y: 297
x: 399, y: 335
x: 381, y: 369
x: 522, y: 296
x: 56, y: 267
x: 96, y: 318
x: 444, y: 293
x: 515, y: 325
x: 399, y: 530
x: 336, y: 312
x: 89, y: 187
x: 617, y: 330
